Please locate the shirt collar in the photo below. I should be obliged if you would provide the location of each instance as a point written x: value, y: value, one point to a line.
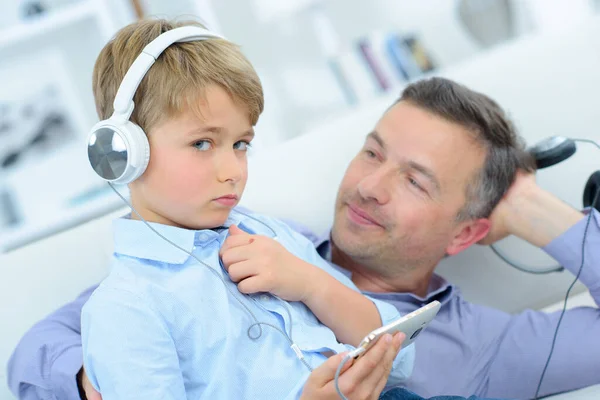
x: 134, y: 239
x: 439, y: 288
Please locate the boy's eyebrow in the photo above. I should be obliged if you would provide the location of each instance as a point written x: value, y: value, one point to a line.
x: 218, y: 130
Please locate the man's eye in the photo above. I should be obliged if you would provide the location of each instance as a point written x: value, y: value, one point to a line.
x: 202, y: 145
x: 242, y: 145
x: 414, y: 183
x: 370, y: 154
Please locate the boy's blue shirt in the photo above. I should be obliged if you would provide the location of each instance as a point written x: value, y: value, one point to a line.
x: 161, y: 325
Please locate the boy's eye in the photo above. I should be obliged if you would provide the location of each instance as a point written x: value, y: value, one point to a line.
x: 202, y: 145
x: 242, y: 145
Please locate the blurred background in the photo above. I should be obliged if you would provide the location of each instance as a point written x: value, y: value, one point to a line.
x: 329, y: 69
x: 319, y: 60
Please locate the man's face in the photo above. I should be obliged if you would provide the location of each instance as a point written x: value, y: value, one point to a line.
x: 397, y: 205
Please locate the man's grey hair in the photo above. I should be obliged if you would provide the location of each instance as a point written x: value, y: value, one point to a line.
x: 491, y: 129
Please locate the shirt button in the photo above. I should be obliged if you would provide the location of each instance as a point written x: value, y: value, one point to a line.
x: 264, y: 297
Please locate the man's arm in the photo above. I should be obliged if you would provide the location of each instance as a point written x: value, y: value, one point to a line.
x: 521, y: 352
x: 543, y: 220
x: 46, y: 361
x: 531, y: 213
x: 539, y: 217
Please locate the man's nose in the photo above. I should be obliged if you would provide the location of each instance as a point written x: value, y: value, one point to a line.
x: 376, y: 186
x: 229, y: 167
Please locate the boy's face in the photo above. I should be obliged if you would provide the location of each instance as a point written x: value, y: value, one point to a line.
x: 198, y: 166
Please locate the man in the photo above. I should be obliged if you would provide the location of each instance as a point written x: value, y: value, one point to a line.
x: 443, y: 169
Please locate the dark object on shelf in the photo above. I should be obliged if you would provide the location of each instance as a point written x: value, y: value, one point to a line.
x: 8, y: 209
x: 32, y: 9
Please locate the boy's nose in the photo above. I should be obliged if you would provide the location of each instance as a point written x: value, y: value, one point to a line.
x: 229, y: 168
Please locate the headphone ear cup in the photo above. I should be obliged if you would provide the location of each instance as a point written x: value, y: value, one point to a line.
x: 139, y: 151
x: 118, y: 151
x: 591, y: 189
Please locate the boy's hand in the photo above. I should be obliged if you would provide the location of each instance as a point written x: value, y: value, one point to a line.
x: 363, y: 379
x: 260, y: 264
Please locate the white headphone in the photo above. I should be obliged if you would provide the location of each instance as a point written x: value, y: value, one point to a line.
x: 118, y: 149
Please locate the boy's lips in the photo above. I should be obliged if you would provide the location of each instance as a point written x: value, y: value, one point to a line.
x: 229, y: 200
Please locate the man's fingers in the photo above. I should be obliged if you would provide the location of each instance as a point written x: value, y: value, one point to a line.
x: 92, y: 395
x: 325, y: 373
x: 89, y: 390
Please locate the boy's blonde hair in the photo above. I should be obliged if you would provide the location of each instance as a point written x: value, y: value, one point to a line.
x: 178, y: 79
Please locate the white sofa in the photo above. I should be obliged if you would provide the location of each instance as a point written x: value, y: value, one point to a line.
x: 549, y: 84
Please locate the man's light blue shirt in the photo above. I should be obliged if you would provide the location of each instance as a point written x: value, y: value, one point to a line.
x: 161, y: 325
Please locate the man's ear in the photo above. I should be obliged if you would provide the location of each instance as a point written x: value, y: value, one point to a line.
x: 468, y: 234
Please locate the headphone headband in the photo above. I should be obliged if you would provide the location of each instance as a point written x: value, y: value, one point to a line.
x: 123, y: 104
x: 118, y: 149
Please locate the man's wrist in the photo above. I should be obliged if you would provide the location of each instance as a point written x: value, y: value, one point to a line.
x: 539, y: 217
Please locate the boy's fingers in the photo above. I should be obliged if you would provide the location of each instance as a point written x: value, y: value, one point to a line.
x: 235, y: 255
x: 235, y: 230
x: 398, y: 340
x: 241, y: 270
x: 378, y: 379
x: 382, y: 370
x: 236, y: 241
x: 253, y: 284
x: 370, y: 360
x: 372, y: 369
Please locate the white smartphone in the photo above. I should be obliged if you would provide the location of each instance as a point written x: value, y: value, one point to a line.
x: 411, y: 325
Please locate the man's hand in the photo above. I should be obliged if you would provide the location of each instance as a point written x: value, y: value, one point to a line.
x: 530, y: 213
x: 86, y: 385
x: 260, y: 264
x: 508, y: 209
x: 359, y: 380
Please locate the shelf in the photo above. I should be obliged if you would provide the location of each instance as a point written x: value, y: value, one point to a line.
x: 42, y: 25
x: 62, y: 220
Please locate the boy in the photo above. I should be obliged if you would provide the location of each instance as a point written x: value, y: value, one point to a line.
x: 170, y: 325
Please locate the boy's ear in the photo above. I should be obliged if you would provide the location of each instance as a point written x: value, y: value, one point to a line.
x: 468, y: 234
